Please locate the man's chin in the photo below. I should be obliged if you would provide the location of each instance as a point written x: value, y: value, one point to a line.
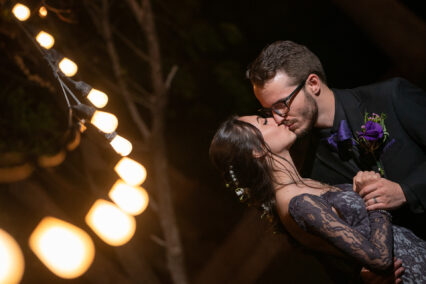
x: 302, y: 132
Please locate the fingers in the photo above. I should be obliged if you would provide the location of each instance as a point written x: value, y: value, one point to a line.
x: 375, y: 206
x: 363, y: 179
x: 398, y: 273
x: 371, y: 201
x: 397, y: 268
x: 397, y: 263
x: 369, y: 188
x: 370, y: 196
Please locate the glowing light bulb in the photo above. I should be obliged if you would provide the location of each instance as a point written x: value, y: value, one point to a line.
x: 110, y: 223
x: 104, y: 121
x: 97, y: 98
x: 121, y: 145
x: 45, y: 40
x: 68, y: 67
x: 65, y: 249
x: 21, y: 12
x: 131, y: 199
x: 11, y: 259
x: 42, y: 11
x: 130, y: 171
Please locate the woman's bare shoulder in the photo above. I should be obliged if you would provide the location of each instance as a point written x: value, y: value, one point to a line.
x: 285, y: 195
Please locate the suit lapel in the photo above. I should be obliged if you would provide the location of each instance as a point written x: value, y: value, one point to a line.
x: 353, y: 110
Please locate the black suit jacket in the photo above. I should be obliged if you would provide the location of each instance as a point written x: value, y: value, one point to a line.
x: 404, y: 161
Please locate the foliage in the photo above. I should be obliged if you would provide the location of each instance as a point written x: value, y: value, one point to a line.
x: 29, y: 122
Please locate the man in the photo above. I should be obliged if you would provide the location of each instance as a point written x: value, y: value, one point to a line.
x: 290, y: 84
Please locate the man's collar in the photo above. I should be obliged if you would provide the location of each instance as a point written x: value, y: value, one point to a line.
x: 339, y: 113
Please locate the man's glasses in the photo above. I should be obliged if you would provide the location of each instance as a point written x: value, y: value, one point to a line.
x: 281, y: 107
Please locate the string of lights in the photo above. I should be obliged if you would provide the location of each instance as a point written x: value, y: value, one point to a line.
x: 66, y: 250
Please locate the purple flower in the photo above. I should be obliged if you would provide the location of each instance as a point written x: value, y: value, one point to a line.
x: 373, y: 131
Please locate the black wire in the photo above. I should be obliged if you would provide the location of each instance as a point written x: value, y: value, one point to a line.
x: 64, y: 87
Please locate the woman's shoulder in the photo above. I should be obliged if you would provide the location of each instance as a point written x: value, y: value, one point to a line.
x: 285, y: 195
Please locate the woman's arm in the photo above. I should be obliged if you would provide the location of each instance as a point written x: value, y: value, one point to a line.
x: 315, y: 216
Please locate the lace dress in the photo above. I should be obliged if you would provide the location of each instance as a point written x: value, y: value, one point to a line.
x: 366, y: 236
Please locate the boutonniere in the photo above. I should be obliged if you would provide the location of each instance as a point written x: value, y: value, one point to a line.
x: 371, y: 141
x: 372, y: 137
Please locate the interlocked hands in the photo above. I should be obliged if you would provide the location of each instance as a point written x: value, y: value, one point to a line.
x: 378, y: 192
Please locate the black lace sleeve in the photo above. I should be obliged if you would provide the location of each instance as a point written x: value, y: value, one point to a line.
x: 314, y: 215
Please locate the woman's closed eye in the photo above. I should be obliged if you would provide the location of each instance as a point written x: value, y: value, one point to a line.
x: 265, y: 120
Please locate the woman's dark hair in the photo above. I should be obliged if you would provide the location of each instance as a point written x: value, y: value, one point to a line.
x: 233, y: 151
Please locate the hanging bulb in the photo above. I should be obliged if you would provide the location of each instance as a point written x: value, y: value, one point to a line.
x: 121, y: 145
x: 11, y: 259
x: 65, y: 249
x: 104, y: 121
x: 110, y: 223
x: 45, y: 40
x: 42, y: 12
x: 97, y: 98
x: 68, y: 67
x: 130, y: 171
x: 131, y: 199
x: 21, y: 12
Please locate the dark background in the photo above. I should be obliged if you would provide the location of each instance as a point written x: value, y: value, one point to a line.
x: 211, y: 42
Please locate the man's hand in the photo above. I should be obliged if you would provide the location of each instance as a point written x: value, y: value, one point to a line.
x: 378, y: 192
x: 369, y: 277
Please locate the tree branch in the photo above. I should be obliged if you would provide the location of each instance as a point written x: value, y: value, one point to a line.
x: 170, y: 76
x: 33, y: 77
x: 133, y: 47
x: 106, y: 32
x: 137, y: 11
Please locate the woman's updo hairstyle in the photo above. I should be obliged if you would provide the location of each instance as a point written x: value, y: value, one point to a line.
x: 239, y: 151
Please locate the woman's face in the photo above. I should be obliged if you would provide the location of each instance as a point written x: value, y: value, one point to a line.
x: 278, y: 137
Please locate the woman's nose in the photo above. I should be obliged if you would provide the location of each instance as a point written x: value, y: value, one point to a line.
x: 278, y: 118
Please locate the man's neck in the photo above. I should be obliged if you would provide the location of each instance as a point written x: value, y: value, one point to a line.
x: 326, y: 108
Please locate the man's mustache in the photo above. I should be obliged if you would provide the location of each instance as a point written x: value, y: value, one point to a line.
x: 287, y: 122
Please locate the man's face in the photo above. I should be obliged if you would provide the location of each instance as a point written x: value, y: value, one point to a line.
x: 303, y: 111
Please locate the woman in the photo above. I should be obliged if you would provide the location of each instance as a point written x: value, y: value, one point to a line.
x: 253, y: 154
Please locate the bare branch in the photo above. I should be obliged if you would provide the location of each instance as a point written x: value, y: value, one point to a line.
x: 159, y: 241
x: 170, y: 76
x: 137, y: 11
x: 139, y: 88
x: 133, y: 47
x: 33, y: 77
x: 141, y: 101
x: 94, y: 12
x: 60, y: 13
x: 115, y: 60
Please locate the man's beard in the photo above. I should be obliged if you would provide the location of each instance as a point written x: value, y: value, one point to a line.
x: 310, y: 114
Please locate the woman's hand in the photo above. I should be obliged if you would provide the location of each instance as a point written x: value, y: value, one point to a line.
x: 369, y: 277
x: 364, y: 178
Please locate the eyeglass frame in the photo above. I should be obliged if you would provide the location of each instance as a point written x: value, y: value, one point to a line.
x: 267, y: 112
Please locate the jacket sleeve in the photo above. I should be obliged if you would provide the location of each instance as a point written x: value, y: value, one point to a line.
x: 316, y: 216
x: 409, y: 103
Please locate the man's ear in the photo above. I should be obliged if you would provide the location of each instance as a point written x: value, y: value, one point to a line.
x: 313, y: 82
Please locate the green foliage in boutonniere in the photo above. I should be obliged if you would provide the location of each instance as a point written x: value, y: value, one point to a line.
x: 373, y: 136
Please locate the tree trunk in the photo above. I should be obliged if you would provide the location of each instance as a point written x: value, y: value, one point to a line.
x: 244, y: 255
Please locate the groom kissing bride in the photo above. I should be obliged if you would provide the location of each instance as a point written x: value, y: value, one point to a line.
x: 343, y: 135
